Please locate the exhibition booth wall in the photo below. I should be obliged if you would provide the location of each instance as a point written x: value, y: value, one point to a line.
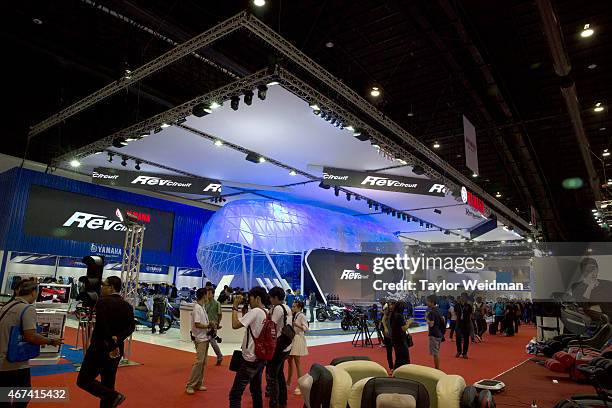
x: 47, y: 223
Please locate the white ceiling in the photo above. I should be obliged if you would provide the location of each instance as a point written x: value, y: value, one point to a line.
x: 284, y: 128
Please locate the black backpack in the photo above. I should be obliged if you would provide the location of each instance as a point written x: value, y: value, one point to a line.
x: 287, y: 332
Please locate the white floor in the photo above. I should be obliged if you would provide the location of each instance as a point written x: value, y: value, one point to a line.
x: 172, y: 337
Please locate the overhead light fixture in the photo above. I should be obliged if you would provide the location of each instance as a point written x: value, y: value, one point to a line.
x: 292, y: 173
x: 218, y: 143
x: 124, y: 161
x: 375, y: 91
x: 592, y: 66
x: 272, y: 83
x: 436, y: 145
x: 474, y: 175
x: 131, y: 139
x: 336, y: 191
x: 593, y: 210
x: 144, y: 135
x: 596, y: 214
x: 376, y: 207
x: 324, y: 186
x: 138, y: 163
x: 530, y: 240
x: 369, y: 203
x: 75, y: 163
x: 164, y: 125
x: 587, y: 31
x: 110, y: 157
x: 446, y: 232
x: 498, y: 195
x: 119, y: 142
x: 314, y: 106
x: 598, y: 107
x: 215, y: 105
x: 402, y: 161
x: 361, y: 135
x: 329, y: 44
x: 234, y: 102
x: 374, y: 145
x: 248, y: 98
x: 37, y: 21
x: 605, y: 153
x: 201, y: 110
x: 262, y: 159
x: 252, y: 157
x: 438, y: 211
x: 350, y: 128
x: 262, y: 91
x: 348, y: 197
x: 99, y: 152
x: 259, y: 3
x: 418, y: 170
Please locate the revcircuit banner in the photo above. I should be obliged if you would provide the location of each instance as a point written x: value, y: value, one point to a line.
x: 379, y: 181
x: 155, y: 182
x: 60, y: 214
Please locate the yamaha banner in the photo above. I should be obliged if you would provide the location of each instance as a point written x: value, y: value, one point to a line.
x: 379, y: 181
x: 63, y: 215
x: 155, y: 182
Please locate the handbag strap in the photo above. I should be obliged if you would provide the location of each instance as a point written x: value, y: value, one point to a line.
x: 9, y: 308
x: 284, y: 313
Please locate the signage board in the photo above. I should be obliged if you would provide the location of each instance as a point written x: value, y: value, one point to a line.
x: 63, y: 215
x: 471, y: 146
x: 155, y: 182
x: 385, y: 182
x: 472, y: 200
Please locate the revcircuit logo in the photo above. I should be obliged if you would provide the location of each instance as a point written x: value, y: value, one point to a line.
x: 327, y: 176
x: 105, y: 176
x: 385, y: 182
x: 350, y: 274
x: 93, y: 222
x: 156, y: 181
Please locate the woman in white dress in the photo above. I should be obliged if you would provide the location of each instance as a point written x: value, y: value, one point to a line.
x: 298, y: 347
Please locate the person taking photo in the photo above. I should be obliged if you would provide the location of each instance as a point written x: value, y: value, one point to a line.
x: 250, y: 369
x: 213, y: 310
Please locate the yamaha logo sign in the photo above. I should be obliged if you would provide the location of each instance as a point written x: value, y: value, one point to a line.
x: 155, y: 182
x: 472, y: 200
x: 385, y: 182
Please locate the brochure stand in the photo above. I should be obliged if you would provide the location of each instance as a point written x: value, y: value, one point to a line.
x: 51, y: 311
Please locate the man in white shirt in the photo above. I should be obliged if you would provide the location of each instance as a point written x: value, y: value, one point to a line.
x: 199, y: 334
x: 251, y: 368
x: 275, y: 373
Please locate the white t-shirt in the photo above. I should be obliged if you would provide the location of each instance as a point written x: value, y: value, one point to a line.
x: 278, y: 317
x: 199, y: 315
x: 254, y: 319
x: 301, y: 321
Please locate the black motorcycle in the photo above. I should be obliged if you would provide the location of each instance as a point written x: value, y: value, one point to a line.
x: 326, y: 312
x: 350, y: 318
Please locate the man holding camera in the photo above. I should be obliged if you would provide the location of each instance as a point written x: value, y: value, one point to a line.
x: 213, y: 310
x: 114, y: 324
x: 20, y: 312
x: 250, y: 367
x: 200, y: 334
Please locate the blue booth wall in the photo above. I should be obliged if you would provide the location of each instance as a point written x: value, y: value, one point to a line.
x: 14, y: 191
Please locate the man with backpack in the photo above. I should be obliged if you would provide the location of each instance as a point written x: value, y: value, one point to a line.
x: 259, y: 338
x: 275, y: 375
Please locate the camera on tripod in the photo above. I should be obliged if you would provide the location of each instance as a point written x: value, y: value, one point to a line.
x: 91, y: 284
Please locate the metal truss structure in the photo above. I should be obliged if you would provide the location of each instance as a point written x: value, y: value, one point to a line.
x: 451, y: 176
x: 130, y: 265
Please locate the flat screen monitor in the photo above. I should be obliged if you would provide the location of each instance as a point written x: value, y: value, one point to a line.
x: 53, y: 293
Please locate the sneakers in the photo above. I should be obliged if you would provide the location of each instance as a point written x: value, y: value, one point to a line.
x: 202, y: 388
x: 297, y: 391
x: 189, y: 391
x: 457, y: 355
x: 118, y: 400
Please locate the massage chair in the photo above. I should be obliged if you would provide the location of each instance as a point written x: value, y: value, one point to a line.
x: 599, y: 373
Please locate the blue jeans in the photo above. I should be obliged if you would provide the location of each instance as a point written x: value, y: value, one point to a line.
x: 249, y: 373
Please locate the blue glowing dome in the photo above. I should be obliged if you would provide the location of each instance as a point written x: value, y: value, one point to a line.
x: 289, y: 227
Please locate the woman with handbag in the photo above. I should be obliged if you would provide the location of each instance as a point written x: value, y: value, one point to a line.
x: 19, y: 341
x: 400, y: 337
x: 298, y: 347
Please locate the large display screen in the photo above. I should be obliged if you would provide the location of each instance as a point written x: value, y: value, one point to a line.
x: 60, y: 214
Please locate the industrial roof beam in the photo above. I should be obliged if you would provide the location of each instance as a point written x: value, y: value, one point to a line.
x: 563, y: 67
x: 188, y: 47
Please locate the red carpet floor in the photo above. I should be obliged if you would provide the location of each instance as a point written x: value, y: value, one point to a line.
x: 160, y: 379
x: 531, y: 381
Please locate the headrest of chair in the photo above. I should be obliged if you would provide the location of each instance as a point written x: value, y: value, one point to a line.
x: 322, y: 384
x: 341, y: 389
x: 377, y: 386
x: 449, y: 390
x: 339, y: 360
x: 359, y: 369
x: 395, y: 401
x: 416, y: 372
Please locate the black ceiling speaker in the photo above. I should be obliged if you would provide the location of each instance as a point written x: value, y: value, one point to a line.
x: 248, y: 98
x: 119, y: 142
x: 201, y: 109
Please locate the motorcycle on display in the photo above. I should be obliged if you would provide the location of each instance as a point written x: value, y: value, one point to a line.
x: 328, y: 312
x: 143, y: 313
x: 350, y: 318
